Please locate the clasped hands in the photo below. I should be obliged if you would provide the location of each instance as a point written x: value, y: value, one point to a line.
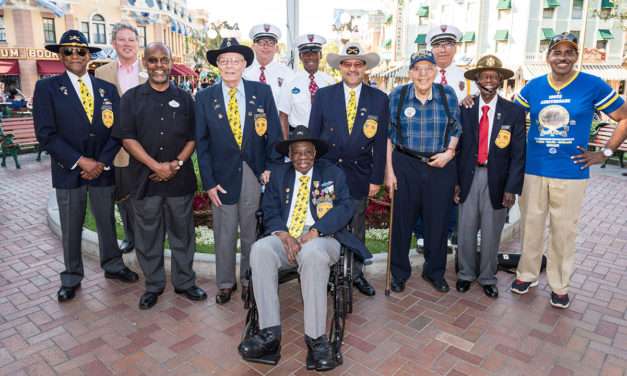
x: 292, y: 245
x: 164, y: 171
x: 90, y: 168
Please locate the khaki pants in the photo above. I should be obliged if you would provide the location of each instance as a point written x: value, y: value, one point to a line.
x: 561, y: 200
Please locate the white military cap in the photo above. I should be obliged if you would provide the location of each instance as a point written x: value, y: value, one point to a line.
x: 310, y: 42
x: 264, y: 31
x: 443, y: 33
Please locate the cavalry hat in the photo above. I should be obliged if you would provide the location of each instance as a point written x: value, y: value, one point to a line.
x: 264, y: 31
x: 488, y: 62
x: 72, y: 38
x: 301, y: 134
x: 352, y: 51
x: 443, y: 33
x: 231, y: 45
x: 310, y: 43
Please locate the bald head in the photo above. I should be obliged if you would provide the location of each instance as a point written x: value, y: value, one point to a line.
x: 158, y: 63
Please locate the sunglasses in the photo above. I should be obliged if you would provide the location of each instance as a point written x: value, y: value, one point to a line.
x: 354, y: 64
x: 71, y: 51
x: 564, y: 37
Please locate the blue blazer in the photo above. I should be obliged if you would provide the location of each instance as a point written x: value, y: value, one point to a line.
x: 219, y: 157
x: 361, y: 155
x: 506, y: 159
x: 277, y: 200
x: 64, y: 131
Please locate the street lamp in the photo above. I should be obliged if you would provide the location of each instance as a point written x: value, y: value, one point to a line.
x: 346, y: 28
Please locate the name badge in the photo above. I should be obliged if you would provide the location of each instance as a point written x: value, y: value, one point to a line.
x: 410, y: 112
x: 174, y: 104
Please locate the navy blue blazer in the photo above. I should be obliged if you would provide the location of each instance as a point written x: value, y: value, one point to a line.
x: 360, y: 154
x: 506, y: 156
x: 277, y: 200
x: 219, y: 157
x: 64, y: 131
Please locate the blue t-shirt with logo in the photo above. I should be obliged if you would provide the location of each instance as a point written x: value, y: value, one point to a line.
x: 560, y: 121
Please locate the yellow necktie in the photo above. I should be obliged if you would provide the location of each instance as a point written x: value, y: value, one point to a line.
x: 233, y: 116
x: 86, y: 99
x: 300, y: 208
x: 351, y: 110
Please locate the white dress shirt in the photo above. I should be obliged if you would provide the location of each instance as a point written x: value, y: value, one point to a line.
x: 295, y: 98
x: 309, y: 221
x: 455, y: 79
x: 86, y: 79
x: 240, y: 95
x: 277, y: 75
x: 347, y: 94
x: 491, y: 111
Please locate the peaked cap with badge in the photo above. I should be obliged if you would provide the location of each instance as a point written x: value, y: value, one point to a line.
x: 443, y: 33
x: 310, y: 43
x: 264, y: 31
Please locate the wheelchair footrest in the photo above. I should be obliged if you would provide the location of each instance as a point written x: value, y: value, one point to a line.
x: 271, y: 359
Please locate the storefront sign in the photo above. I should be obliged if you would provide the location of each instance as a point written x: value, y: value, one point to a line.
x: 27, y: 54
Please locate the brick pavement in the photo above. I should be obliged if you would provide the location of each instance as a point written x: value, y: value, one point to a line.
x: 419, y: 332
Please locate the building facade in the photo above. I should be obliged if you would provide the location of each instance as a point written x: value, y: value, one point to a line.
x: 26, y: 26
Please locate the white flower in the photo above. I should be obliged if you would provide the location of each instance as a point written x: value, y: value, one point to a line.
x: 377, y: 234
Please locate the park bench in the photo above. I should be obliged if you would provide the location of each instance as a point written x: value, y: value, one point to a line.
x: 602, y: 136
x: 17, y: 134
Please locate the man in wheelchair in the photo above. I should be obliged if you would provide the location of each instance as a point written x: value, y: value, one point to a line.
x: 306, y: 209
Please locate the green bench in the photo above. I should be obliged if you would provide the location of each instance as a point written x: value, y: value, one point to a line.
x: 17, y: 134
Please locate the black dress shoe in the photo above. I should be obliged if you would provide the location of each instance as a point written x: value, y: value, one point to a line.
x: 193, y: 293
x: 364, y: 286
x: 126, y: 246
x: 397, y: 285
x: 264, y: 347
x: 462, y: 286
x: 124, y: 275
x: 224, y: 295
x: 438, y: 284
x: 320, y: 354
x: 491, y: 290
x: 148, y: 300
x: 66, y: 293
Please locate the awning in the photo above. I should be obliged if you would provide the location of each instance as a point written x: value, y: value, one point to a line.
x: 9, y: 68
x: 182, y: 70
x: 548, y: 33
x: 423, y: 11
x: 607, y: 4
x: 501, y: 35
x: 504, y: 4
x: 388, y: 43
x: 49, y: 67
x: 607, y: 72
x: 551, y: 3
x: 421, y: 39
x: 54, y: 8
x: 605, y: 34
x: 469, y: 36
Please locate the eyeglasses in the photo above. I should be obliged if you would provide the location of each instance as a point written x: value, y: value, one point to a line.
x: 154, y: 60
x: 225, y: 62
x: 266, y: 42
x: 443, y: 46
x: 354, y: 64
x: 71, y: 51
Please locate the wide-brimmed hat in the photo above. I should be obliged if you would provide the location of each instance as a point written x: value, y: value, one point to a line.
x: 231, y: 45
x: 72, y: 38
x: 488, y: 62
x: 353, y: 51
x: 301, y: 134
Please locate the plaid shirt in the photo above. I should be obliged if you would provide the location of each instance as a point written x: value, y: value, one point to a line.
x: 424, y: 131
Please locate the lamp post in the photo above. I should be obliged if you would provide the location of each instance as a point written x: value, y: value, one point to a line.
x: 345, y: 28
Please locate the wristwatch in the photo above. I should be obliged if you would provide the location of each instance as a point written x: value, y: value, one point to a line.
x: 607, y: 152
x: 179, y: 162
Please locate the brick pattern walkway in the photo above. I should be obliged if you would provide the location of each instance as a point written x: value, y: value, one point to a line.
x: 419, y: 332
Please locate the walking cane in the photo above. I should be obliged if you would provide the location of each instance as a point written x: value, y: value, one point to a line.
x: 388, y: 273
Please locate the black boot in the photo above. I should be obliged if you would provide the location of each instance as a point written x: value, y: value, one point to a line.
x: 264, y: 347
x: 320, y: 354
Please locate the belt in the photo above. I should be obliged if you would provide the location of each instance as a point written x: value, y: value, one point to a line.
x: 422, y: 157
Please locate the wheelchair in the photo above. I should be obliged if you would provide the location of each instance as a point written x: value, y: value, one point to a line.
x: 339, y: 288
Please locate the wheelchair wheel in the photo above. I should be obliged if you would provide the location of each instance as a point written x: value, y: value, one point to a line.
x: 340, y: 292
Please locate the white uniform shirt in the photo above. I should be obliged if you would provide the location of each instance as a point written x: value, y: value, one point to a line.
x: 295, y: 98
x: 309, y: 221
x: 455, y: 79
x: 491, y: 112
x: 276, y: 74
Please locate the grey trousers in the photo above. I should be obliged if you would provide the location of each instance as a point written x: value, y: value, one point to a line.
x: 128, y: 219
x: 226, y: 220
x: 358, y: 224
x: 154, y: 217
x: 72, y: 205
x: 477, y: 214
x: 314, y: 266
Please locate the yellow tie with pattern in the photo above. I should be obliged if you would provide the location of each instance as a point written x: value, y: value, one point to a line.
x: 351, y: 110
x: 233, y: 116
x: 86, y: 99
x: 297, y: 224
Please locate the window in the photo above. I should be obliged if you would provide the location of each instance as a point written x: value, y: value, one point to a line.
x: 577, y: 9
x: 602, y: 44
x: 85, y: 30
x: 3, y: 31
x: 423, y: 15
x: 548, y: 13
x: 544, y: 45
x: 141, y: 30
x: 575, y: 33
x: 100, y: 29
x: 49, y: 34
x: 549, y: 8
